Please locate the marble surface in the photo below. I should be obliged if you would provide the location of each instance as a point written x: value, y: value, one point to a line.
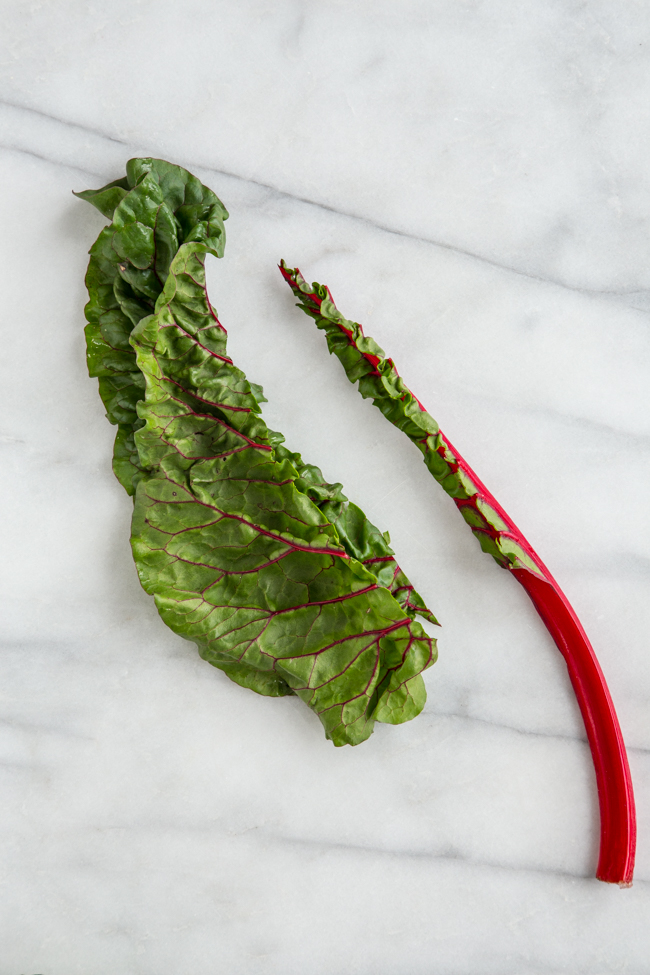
x: 471, y: 181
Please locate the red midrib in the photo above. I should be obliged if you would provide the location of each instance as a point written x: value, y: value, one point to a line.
x: 613, y: 779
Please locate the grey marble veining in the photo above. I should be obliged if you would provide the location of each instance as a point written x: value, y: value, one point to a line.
x: 470, y: 180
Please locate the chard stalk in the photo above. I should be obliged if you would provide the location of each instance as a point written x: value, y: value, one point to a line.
x: 364, y: 361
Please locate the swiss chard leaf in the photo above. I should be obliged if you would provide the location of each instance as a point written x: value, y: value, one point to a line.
x: 378, y: 379
x: 238, y: 559
x: 280, y: 581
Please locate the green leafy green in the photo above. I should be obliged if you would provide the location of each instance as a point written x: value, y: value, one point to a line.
x: 364, y: 363
x: 280, y: 581
x: 378, y: 379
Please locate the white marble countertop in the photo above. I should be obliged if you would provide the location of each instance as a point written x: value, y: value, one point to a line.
x: 471, y: 180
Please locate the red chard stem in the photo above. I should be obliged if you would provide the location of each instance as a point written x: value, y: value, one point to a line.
x: 364, y: 362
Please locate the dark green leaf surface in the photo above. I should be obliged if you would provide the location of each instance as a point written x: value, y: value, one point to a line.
x: 280, y: 581
x: 379, y: 380
x: 153, y: 209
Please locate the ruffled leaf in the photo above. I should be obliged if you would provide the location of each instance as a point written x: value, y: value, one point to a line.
x: 280, y: 581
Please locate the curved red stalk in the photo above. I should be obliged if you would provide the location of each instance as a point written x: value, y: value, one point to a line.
x: 615, y: 794
x: 613, y: 779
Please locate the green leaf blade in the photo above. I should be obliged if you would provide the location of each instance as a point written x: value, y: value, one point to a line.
x: 279, y: 580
